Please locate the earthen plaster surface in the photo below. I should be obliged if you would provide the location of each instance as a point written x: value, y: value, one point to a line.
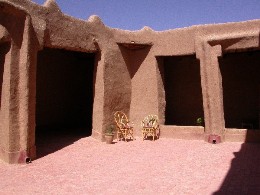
x: 166, y: 166
x: 125, y: 78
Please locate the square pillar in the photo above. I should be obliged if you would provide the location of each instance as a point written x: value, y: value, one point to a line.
x: 211, y: 81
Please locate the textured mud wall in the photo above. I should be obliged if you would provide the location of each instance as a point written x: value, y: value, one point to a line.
x: 64, y: 89
x: 117, y: 95
x: 161, y: 89
x: 183, y: 90
x: 13, y: 24
x: 240, y: 79
x: 125, y: 78
x: 138, y: 70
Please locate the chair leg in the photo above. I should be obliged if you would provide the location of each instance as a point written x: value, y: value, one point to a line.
x: 132, y: 135
x: 119, y: 137
x: 125, y: 137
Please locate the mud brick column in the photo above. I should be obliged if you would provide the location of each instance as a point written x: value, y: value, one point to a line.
x: 17, y: 114
x: 211, y: 82
x: 10, y: 135
x: 27, y: 92
x: 98, y: 102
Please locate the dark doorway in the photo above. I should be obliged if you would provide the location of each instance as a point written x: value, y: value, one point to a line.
x: 182, y: 90
x: 64, y: 100
x: 4, y: 48
x: 240, y: 81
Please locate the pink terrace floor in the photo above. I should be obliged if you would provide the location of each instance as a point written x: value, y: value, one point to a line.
x: 166, y: 166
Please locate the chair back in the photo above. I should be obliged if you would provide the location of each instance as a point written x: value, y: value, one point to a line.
x: 121, y: 119
x: 150, y: 121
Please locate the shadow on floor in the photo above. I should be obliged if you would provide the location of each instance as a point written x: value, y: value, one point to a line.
x: 244, y: 174
x: 49, y: 140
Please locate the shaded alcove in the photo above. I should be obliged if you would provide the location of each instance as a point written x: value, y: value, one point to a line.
x: 134, y: 55
x: 183, y: 93
x: 240, y: 81
x: 4, y: 48
x: 64, y: 97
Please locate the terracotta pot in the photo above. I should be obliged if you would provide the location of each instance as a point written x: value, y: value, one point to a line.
x: 109, y: 139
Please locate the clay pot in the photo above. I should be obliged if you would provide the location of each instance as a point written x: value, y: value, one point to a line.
x: 109, y: 139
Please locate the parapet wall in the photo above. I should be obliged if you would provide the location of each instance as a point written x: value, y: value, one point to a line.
x: 128, y: 71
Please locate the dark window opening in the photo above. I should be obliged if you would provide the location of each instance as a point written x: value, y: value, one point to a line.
x: 182, y: 90
x: 240, y: 81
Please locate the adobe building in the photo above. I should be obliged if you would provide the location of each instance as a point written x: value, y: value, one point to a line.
x: 60, y: 72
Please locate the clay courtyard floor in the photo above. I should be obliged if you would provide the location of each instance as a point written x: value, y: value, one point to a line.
x: 74, y: 165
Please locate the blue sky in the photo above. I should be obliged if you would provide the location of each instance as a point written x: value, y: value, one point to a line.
x: 161, y: 14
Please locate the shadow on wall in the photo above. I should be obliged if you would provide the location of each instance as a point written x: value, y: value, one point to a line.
x: 134, y: 58
x: 244, y: 175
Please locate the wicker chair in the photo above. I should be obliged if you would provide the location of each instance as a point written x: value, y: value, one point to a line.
x: 124, y: 129
x: 150, y: 126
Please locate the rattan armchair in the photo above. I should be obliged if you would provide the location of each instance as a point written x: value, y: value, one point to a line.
x: 124, y: 129
x: 150, y: 126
